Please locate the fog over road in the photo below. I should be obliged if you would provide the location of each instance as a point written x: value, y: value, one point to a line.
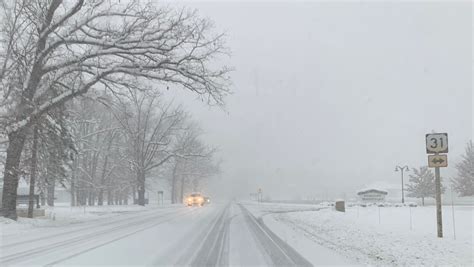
x: 217, y: 234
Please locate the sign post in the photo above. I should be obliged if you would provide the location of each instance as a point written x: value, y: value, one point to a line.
x: 437, y: 143
x: 439, y: 217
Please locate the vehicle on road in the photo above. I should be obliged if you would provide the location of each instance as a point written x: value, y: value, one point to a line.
x: 195, y: 199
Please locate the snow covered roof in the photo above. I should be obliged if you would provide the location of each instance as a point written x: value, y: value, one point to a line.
x: 381, y: 186
x: 372, y: 191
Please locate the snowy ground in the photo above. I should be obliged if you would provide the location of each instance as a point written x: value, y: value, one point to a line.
x: 74, y: 234
x: 217, y: 234
x: 359, y: 236
x: 238, y: 234
x: 63, y: 215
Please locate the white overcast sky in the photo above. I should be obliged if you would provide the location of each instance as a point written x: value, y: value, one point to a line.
x: 331, y: 96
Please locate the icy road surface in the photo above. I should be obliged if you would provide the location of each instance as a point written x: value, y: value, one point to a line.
x: 217, y: 234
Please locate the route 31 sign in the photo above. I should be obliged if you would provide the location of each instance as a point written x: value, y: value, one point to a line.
x: 436, y: 143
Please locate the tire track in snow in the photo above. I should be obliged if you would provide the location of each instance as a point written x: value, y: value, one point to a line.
x: 143, y: 223
x: 214, y: 250
x: 186, y: 248
x: 280, y: 253
x: 82, y: 228
x: 118, y: 238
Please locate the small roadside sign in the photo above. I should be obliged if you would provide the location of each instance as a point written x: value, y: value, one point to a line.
x: 436, y: 143
x: 437, y: 161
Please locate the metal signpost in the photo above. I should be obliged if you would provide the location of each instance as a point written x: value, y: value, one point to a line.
x: 437, y: 143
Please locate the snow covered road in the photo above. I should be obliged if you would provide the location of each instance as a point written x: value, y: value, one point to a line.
x: 60, y: 244
x: 217, y: 234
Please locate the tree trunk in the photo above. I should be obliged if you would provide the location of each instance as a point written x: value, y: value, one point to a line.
x: 134, y: 189
x: 423, y: 201
x: 73, y: 182
x: 110, y: 199
x: 42, y: 199
x: 116, y: 197
x: 141, y: 194
x: 181, y: 192
x: 50, y: 191
x: 141, y: 188
x: 10, y: 175
x: 174, y: 184
x: 91, y: 198
x: 183, y: 182
x: 125, y: 197
x: 34, y: 150
x: 79, y: 196
x: 73, y: 194
x: 100, y: 197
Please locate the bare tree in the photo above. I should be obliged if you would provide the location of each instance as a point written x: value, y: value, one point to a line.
x: 72, y: 47
x: 97, y: 139
x: 195, y: 164
x: 150, y: 127
x: 46, y: 155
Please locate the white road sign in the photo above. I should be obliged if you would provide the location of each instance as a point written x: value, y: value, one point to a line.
x: 437, y: 161
x: 436, y: 143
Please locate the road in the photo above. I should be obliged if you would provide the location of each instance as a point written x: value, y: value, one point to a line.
x: 214, y: 235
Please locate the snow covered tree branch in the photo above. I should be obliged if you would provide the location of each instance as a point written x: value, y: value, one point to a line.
x: 53, y: 51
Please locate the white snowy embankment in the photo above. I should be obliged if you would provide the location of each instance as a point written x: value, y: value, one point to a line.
x: 358, y: 234
x: 67, y: 215
x: 317, y: 254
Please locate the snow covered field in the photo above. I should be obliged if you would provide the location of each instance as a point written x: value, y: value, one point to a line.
x: 360, y: 237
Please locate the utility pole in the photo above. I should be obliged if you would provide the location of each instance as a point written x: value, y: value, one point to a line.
x: 402, y: 169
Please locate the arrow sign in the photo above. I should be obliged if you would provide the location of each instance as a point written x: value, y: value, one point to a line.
x: 438, y: 161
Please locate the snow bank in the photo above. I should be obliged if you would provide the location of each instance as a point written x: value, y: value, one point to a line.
x: 67, y: 215
x: 393, y: 239
x: 263, y: 208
